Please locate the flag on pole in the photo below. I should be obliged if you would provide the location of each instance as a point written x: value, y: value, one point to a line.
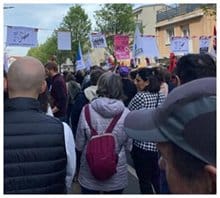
x: 204, y: 42
x: 121, y: 47
x: 97, y: 40
x: 137, y: 46
x: 64, y: 40
x: 179, y: 45
x: 149, y: 46
x: 21, y: 36
x: 79, y: 59
x: 88, y: 62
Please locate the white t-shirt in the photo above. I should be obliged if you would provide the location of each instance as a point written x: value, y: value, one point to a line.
x: 71, y: 155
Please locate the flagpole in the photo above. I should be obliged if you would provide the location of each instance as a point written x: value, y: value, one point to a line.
x: 136, y: 35
x: 79, y: 59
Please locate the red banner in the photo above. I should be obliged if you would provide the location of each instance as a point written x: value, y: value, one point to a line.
x: 121, y: 47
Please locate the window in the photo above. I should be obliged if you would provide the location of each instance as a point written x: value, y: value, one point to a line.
x: 185, y: 30
x: 169, y: 35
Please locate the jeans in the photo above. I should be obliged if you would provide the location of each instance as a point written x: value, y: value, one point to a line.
x: 164, y: 188
x: 89, y: 191
x: 147, y: 169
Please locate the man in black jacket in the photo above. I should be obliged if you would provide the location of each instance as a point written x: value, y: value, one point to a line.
x: 58, y: 91
x: 39, y: 150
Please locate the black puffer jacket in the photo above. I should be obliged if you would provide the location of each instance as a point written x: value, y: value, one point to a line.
x: 34, y: 150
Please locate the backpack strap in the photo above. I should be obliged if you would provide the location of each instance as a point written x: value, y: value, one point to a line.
x: 88, y: 119
x: 110, y: 127
x: 113, y: 123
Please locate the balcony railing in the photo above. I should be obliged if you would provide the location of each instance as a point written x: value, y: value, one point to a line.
x: 181, y: 9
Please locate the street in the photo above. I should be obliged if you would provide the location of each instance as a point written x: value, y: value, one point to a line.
x: 132, y: 187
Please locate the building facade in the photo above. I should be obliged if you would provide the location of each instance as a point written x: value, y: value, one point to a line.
x: 183, y: 20
x: 146, y: 16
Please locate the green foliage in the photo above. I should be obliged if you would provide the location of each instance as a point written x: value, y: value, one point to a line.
x: 209, y: 9
x: 115, y: 19
x: 77, y: 22
x: 44, y: 51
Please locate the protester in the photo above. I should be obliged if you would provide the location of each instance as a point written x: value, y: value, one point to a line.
x: 129, y: 87
x: 162, y: 73
x: 147, y: 61
x: 102, y: 110
x: 172, y: 63
x: 194, y: 66
x: 5, y: 86
x: 188, y: 68
x: 80, y: 74
x: 52, y: 59
x: 132, y: 74
x: 58, y: 91
x: 43, y: 98
x: 39, y: 150
x: 145, y: 154
x: 81, y: 99
x: 84, y: 97
x: 173, y: 83
x: 73, y: 88
x: 86, y: 80
x: 185, y: 129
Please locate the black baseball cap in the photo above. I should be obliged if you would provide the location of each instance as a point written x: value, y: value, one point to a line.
x: 187, y: 118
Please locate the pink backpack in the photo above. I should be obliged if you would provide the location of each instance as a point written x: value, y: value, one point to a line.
x: 100, y: 153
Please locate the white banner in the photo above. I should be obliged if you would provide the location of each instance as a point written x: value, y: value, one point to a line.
x: 149, y: 46
x: 64, y: 40
x: 204, y: 42
x: 97, y: 40
x: 180, y: 44
x: 21, y: 36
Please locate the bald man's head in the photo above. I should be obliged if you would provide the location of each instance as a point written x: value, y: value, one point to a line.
x: 25, y: 77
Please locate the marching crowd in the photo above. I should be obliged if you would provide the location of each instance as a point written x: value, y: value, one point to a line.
x: 166, y: 121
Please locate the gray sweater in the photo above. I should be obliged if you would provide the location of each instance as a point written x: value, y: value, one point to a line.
x: 102, y: 111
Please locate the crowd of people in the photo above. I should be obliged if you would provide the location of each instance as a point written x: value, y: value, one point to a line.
x: 167, y: 124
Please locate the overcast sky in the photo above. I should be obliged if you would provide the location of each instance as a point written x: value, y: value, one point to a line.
x: 45, y: 17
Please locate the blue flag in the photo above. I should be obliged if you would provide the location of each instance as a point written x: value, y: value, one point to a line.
x: 79, y: 59
x: 137, y: 45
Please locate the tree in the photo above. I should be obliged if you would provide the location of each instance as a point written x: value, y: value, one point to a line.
x: 78, y: 23
x: 209, y: 9
x: 115, y: 19
x: 45, y: 50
